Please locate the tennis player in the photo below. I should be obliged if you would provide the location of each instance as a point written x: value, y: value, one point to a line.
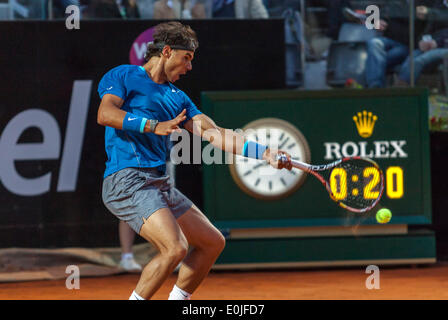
x: 140, y: 108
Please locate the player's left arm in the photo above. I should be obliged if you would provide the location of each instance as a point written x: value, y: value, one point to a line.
x: 229, y: 140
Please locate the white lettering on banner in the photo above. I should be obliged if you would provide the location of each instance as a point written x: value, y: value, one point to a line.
x: 350, y: 146
x: 77, y: 116
x: 398, y: 151
x: 332, y: 149
x: 380, y: 149
x: 12, y: 151
x: 362, y: 147
x: 48, y: 149
x: 140, y: 50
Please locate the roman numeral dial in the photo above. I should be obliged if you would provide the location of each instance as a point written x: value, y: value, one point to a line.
x: 256, y: 177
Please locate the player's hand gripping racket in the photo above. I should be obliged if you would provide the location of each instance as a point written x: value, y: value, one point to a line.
x: 355, y: 183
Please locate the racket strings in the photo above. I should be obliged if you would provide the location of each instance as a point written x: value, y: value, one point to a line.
x: 356, y: 183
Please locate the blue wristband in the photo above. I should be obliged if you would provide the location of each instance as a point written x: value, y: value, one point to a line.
x: 253, y: 150
x: 142, y: 125
x: 131, y: 122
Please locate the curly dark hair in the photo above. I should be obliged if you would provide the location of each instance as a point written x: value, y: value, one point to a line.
x: 174, y: 34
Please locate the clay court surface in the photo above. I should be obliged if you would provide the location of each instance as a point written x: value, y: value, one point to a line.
x: 407, y: 282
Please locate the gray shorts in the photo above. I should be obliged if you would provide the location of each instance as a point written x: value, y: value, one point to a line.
x: 132, y: 194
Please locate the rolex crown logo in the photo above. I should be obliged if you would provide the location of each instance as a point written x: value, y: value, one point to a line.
x: 365, y: 121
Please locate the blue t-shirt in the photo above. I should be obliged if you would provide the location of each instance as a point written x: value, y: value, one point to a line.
x: 145, y: 98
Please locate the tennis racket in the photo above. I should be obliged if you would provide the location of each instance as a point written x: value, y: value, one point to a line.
x: 355, y: 183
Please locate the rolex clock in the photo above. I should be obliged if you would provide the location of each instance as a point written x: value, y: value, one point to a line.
x: 256, y: 177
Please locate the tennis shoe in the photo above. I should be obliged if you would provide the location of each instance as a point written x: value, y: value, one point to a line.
x: 130, y: 265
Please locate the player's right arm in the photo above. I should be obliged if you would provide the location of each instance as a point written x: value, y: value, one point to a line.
x: 110, y: 114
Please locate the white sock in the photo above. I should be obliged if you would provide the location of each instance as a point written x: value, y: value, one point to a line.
x: 179, y: 294
x: 125, y: 256
x: 135, y: 296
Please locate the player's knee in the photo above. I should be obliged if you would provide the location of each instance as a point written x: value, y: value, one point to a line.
x: 218, y: 242
x: 222, y: 244
x: 176, y: 252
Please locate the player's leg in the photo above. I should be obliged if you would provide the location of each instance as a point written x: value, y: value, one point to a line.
x: 207, y: 243
x: 162, y: 230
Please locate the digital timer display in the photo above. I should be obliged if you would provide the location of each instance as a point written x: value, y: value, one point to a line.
x: 369, y: 183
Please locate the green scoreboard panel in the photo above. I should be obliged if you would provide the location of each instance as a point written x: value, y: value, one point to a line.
x: 389, y: 126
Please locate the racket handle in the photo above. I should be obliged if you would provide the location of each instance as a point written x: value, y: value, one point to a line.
x: 295, y: 163
x: 281, y: 158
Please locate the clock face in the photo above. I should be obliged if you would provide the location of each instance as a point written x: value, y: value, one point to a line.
x: 256, y: 177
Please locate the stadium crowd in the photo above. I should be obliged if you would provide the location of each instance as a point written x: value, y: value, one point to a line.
x: 315, y: 30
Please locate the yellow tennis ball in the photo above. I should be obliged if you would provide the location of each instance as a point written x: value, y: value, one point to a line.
x: 383, y: 215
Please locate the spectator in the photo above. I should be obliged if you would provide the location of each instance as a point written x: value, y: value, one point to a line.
x: 127, y: 236
x: 276, y: 8
x: 391, y: 49
x: 59, y: 7
x: 336, y: 17
x: 146, y: 8
x: 36, y: 9
x: 179, y: 9
x: 240, y: 9
x: 430, y: 53
x: 118, y: 9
